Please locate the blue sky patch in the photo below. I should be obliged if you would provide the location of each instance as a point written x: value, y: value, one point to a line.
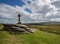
x: 13, y: 2
x: 29, y: 2
x: 28, y: 10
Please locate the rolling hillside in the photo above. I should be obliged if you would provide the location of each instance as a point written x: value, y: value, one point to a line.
x: 39, y: 37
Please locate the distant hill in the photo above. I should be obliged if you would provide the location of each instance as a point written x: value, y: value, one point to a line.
x: 42, y: 23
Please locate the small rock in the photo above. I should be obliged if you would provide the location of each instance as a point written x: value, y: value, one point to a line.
x: 30, y: 30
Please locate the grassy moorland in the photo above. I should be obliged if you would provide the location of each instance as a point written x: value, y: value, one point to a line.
x: 48, y: 28
x: 39, y: 37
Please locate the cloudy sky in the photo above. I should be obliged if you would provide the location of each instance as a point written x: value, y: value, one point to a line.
x: 32, y: 11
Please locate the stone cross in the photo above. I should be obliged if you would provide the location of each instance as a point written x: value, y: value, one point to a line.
x: 19, y: 19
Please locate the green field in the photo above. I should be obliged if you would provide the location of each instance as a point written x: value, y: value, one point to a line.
x: 39, y: 37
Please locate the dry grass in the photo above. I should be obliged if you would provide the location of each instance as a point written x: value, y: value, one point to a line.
x: 48, y: 28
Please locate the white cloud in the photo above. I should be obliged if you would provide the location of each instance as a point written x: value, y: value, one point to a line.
x: 8, y: 14
x: 55, y: 19
x: 40, y: 6
x: 42, y: 10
